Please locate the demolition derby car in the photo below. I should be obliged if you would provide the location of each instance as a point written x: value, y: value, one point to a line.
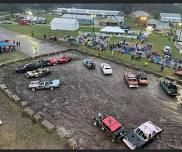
x: 109, y: 125
x: 38, y: 73
x: 64, y: 59
x: 142, y: 78
x: 106, y: 68
x: 53, y: 61
x: 89, y: 63
x: 44, y: 84
x: 142, y: 135
x: 167, y: 49
x: 178, y: 71
x: 26, y: 67
x: 169, y: 87
x: 131, y: 80
x: 43, y: 63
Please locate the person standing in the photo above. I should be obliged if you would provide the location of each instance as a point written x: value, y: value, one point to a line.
x: 32, y: 34
x: 162, y: 67
x: 17, y: 44
x: 45, y: 36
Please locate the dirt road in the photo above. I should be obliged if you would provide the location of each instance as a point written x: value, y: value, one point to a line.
x: 27, y: 43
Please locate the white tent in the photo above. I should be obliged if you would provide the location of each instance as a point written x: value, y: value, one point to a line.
x: 111, y: 29
x: 64, y: 24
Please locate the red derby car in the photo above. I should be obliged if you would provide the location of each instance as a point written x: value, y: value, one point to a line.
x: 109, y: 125
x: 53, y: 61
x: 178, y: 71
x: 64, y: 59
x: 131, y: 80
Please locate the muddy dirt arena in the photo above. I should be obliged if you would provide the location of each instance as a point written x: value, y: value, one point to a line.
x: 85, y: 92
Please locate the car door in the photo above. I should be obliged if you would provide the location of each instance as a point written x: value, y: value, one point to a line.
x: 47, y: 85
x: 102, y: 67
x: 41, y: 85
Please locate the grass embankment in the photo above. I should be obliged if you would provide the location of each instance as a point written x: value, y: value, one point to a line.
x: 19, y: 132
x: 157, y: 40
x: 5, y: 57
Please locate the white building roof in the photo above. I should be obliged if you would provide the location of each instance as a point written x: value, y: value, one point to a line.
x: 63, y: 20
x: 87, y: 11
x: 111, y: 29
x: 175, y: 15
x: 74, y: 16
x: 140, y: 13
x: 64, y: 24
x: 172, y: 17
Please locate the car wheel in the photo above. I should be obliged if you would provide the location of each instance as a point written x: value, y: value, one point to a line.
x: 51, y: 88
x: 54, y: 64
x: 113, y: 140
x: 33, y: 89
x: 95, y: 123
x: 103, y: 129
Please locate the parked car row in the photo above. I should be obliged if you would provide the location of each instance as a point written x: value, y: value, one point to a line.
x: 134, y: 80
x: 136, y: 139
x: 35, y: 70
x: 43, y: 63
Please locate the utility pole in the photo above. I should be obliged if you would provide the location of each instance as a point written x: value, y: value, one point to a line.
x: 180, y: 30
x: 93, y: 22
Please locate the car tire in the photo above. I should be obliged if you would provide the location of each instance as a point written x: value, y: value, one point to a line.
x: 33, y: 89
x: 95, y: 123
x: 113, y: 140
x: 51, y: 88
x: 103, y: 129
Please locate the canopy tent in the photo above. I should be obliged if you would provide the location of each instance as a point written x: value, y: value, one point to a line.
x: 64, y: 24
x: 111, y: 29
x: 4, y: 44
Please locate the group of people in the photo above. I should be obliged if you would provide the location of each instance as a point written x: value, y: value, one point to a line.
x: 91, y: 40
x: 7, y: 46
x: 130, y: 48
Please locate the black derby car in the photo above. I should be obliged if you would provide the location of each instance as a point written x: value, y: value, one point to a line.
x: 169, y: 87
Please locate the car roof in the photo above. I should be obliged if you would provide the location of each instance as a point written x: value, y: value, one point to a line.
x: 149, y: 128
x: 106, y: 65
x: 88, y: 60
x: 112, y: 123
x: 131, y: 75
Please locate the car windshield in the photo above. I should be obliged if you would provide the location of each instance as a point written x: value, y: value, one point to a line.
x: 107, y: 68
x: 132, y: 79
x: 171, y: 86
x: 143, y: 78
x: 141, y: 134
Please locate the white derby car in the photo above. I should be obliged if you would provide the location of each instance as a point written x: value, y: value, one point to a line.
x: 167, y: 49
x: 106, y: 68
x: 142, y: 135
x: 44, y: 84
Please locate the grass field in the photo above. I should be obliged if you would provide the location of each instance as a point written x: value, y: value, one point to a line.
x: 157, y: 40
x: 19, y: 132
x: 40, y: 30
x: 4, y: 57
x: 4, y: 13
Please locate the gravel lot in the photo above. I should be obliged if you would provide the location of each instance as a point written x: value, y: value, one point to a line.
x: 85, y: 92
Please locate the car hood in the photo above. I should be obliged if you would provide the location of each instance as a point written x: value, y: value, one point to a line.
x: 133, y: 141
x: 56, y: 82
